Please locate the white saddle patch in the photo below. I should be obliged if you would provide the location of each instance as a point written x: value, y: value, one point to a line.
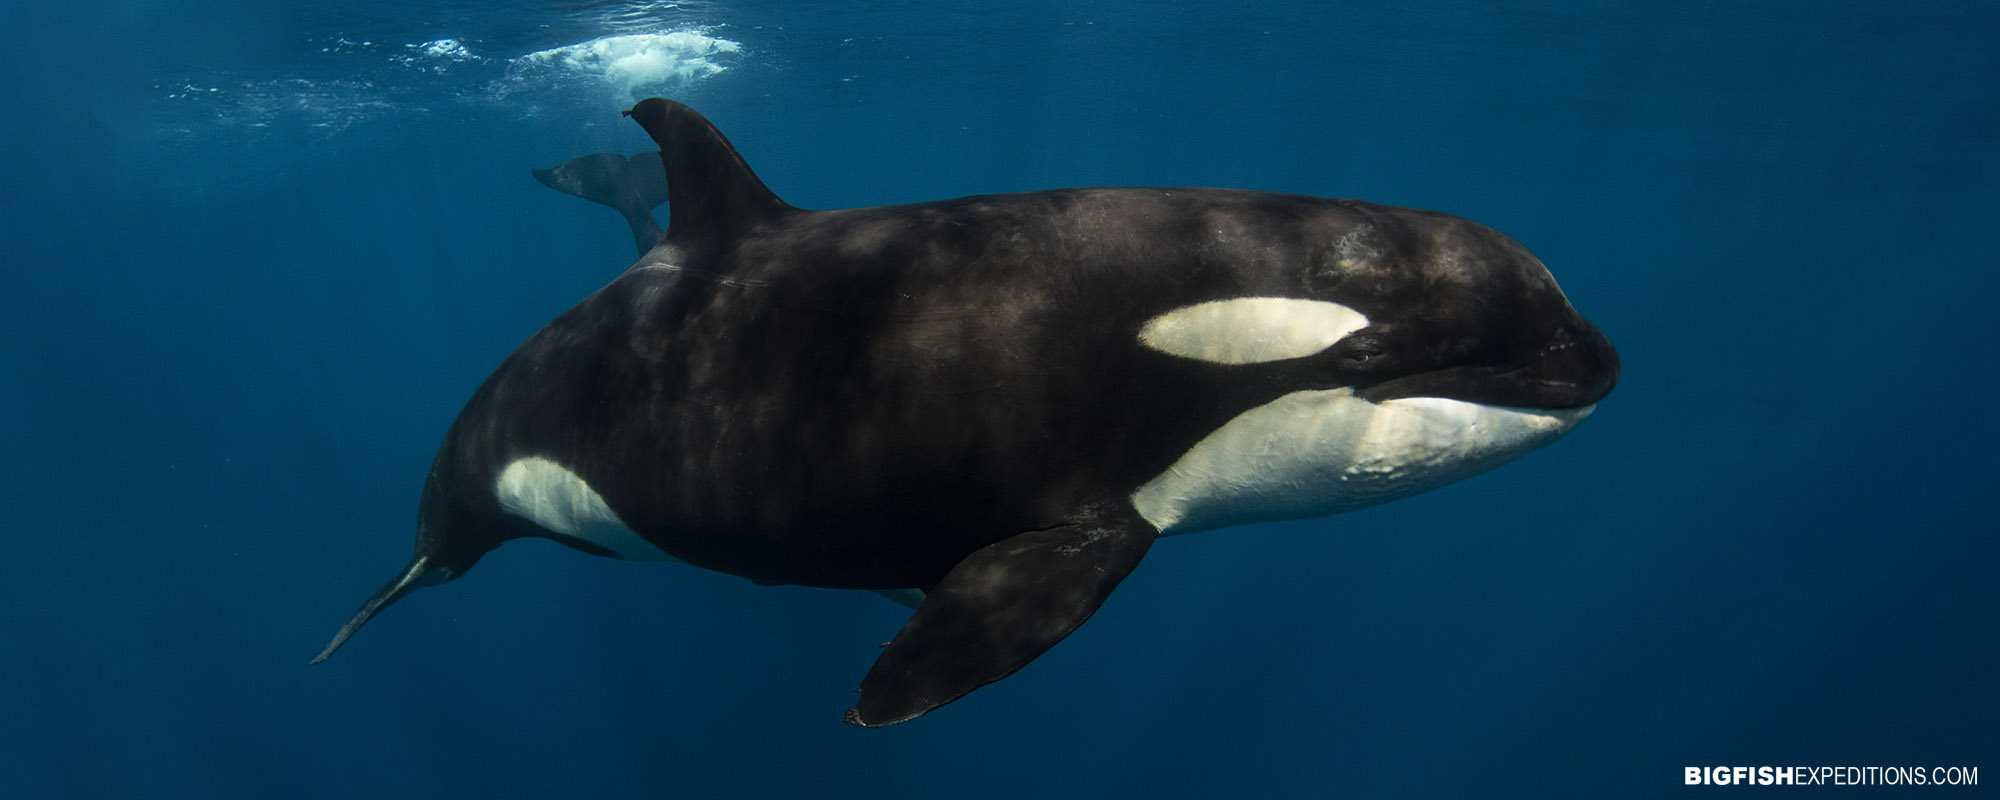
x: 1251, y: 330
x: 1314, y: 453
x: 543, y: 492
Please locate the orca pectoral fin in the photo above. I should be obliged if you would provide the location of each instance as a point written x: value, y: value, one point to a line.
x: 1000, y: 608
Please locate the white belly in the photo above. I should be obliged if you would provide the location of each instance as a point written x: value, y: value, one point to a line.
x: 1310, y: 454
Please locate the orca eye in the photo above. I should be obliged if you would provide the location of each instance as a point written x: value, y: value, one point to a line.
x: 1361, y: 349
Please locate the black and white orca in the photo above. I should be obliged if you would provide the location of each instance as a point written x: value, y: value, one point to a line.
x: 997, y: 401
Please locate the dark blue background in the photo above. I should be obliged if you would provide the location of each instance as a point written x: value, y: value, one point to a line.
x: 238, y: 322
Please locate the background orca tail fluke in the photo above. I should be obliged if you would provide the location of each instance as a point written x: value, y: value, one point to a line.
x: 418, y: 573
x: 633, y: 186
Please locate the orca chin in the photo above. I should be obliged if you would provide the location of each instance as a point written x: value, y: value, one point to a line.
x: 1316, y: 453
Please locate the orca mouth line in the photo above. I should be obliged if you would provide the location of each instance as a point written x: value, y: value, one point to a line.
x: 1503, y: 387
x: 1575, y: 370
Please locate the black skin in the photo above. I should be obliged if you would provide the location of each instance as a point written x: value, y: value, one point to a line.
x: 950, y: 396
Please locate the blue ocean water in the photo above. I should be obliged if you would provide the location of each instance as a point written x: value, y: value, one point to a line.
x: 262, y: 252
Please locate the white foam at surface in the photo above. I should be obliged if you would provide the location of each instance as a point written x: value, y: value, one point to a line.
x: 443, y: 50
x: 634, y: 62
x: 437, y: 55
x: 340, y: 80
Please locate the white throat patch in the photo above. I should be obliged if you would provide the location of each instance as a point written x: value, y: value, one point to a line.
x: 543, y: 492
x: 1251, y: 330
x: 1313, y: 453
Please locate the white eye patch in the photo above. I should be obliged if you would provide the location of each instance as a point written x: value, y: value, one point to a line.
x: 1251, y: 330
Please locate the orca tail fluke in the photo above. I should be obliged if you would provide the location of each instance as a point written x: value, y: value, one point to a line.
x: 418, y: 573
x: 633, y: 186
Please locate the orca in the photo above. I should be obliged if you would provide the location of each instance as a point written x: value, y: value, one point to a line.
x: 992, y: 406
x: 632, y: 186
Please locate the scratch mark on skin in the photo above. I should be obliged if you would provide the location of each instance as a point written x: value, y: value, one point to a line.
x: 710, y: 276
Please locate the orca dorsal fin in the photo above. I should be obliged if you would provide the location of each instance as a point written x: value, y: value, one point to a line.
x: 711, y: 192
